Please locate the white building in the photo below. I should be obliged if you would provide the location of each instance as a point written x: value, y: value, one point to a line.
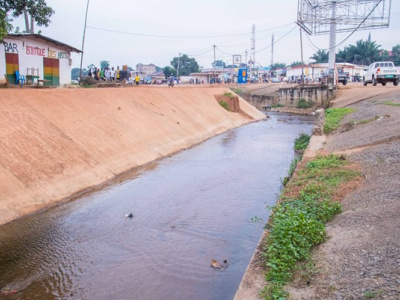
x: 314, y: 71
x: 37, y: 58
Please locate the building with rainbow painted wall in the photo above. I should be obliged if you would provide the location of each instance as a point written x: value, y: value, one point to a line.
x: 40, y: 59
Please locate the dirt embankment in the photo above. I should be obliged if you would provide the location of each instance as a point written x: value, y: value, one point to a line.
x: 56, y: 143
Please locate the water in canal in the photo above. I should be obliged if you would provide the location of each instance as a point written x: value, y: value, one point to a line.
x: 190, y: 208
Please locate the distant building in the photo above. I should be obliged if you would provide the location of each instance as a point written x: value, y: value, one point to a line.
x: 37, y: 58
x: 314, y: 71
x: 145, y: 69
x: 213, y: 75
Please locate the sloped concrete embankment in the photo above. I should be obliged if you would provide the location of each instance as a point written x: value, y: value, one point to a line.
x: 57, y: 143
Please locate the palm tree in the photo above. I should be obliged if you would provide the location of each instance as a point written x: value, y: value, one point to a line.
x: 278, y: 65
x: 321, y: 56
x: 342, y: 55
x: 364, y: 52
x: 396, y: 54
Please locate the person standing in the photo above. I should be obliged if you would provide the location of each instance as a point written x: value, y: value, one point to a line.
x: 137, y: 79
x: 112, y: 74
x: 117, y: 73
x: 102, y: 74
x: 107, y: 73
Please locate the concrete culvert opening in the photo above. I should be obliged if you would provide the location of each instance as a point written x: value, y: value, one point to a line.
x: 229, y: 101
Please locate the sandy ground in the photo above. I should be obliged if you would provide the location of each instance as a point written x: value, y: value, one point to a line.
x: 57, y: 143
x: 361, y: 258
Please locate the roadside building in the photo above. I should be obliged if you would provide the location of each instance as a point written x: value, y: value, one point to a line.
x: 315, y: 71
x: 144, y: 70
x: 37, y: 57
x: 217, y: 75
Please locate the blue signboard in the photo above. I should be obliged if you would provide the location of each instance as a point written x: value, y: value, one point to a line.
x: 242, y: 76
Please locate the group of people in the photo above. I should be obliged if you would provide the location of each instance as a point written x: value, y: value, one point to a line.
x: 106, y: 74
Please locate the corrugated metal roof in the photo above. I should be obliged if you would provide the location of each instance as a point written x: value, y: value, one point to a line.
x: 45, y: 38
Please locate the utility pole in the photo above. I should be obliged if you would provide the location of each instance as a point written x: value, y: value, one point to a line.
x: 253, y: 43
x: 332, y: 42
x: 272, y: 51
x: 83, y: 41
x: 214, y: 61
x: 246, y: 59
x: 301, y: 47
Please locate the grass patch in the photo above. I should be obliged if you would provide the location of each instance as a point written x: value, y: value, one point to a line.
x: 297, y: 221
x: 291, y: 170
x: 301, y: 142
x: 224, y: 105
x: 228, y: 94
x: 303, y: 103
x: 391, y: 103
x: 237, y: 90
x: 277, y: 105
x: 372, y: 294
x: 333, y: 116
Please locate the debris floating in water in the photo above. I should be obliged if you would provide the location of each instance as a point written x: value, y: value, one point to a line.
x: 215, y: 264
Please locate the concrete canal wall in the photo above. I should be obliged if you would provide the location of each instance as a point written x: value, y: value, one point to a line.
x: 288, y: 97
x: 55, y: 143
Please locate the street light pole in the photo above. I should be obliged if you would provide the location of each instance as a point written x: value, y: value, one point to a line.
x: 83, y: 41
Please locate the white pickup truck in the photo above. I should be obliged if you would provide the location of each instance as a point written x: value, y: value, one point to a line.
x: 381, y: 72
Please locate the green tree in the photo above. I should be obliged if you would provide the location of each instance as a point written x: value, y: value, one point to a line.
x: 342, y: 55
x: 34, y: 11
x: 296, y: 63
x: 5, y: 25
x: 278, y: 65
x: 396, y: 54
x: 321, y: 56
x: 104, y: 64
x: 75, y: 72
x: 218, y: 64
x: 186, y: 65
x: 168, y: 71
x: 364, y: 52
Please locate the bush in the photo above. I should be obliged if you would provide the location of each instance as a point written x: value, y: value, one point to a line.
x: 224, y: 105
x: 303, y: 103
x: 301, y: 143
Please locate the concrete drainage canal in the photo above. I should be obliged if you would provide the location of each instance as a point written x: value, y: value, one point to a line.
x: 187, y: 210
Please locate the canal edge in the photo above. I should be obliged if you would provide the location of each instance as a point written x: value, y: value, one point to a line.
x: 253, y: 280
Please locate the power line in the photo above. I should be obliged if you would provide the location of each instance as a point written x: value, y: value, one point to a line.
x: 180, y: 37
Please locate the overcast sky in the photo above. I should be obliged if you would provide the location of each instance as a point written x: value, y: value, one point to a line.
x: 142, y: 31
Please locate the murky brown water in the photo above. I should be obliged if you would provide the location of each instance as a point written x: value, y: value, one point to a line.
x: 192, y: 207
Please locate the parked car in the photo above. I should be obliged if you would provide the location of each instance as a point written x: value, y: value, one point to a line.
x: 147, y: 80
x: 275, y: 80
x: 343, y: 77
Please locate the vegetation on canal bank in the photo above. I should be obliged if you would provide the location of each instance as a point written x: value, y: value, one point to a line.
x: 333, y: 116
x: 301, y: 142
x: 297, y: 220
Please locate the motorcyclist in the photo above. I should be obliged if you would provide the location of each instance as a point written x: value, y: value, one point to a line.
x: 171, y: 80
